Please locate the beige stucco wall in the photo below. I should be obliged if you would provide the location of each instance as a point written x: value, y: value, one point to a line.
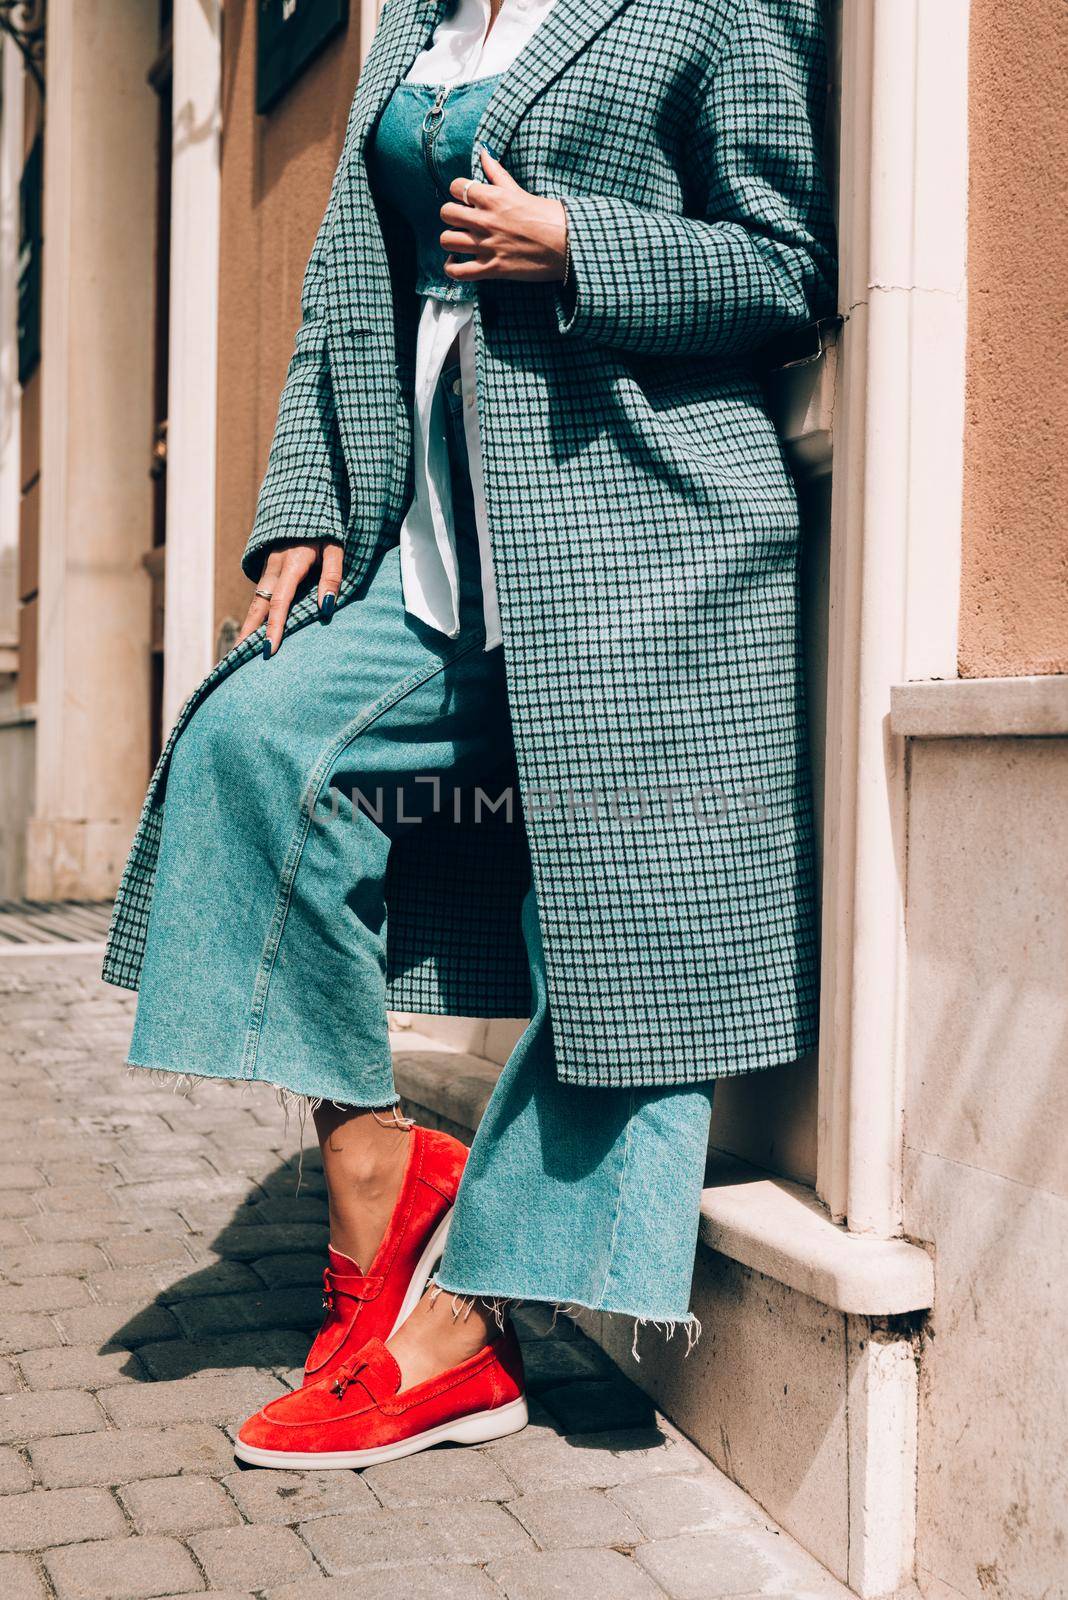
x: 276, y: 172
x: 1014, y: 583
x: 986, y: 1168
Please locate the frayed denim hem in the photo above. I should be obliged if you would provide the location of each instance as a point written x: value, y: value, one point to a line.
x: 179, y: 1081
x: 463, y: 1301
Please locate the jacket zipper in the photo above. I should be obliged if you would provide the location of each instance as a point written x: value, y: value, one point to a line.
x: 431, y: 128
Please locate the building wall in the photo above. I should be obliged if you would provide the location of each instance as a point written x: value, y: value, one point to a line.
x: 1014, y: 581
x: 985, y: 1173
x: 986, y: 1165
x: 276, y: 172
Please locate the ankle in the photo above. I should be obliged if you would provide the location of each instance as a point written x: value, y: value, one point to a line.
x: 363, y: 1150
x: 443, y: 1331
x: 374, y: 1170
x: 364, y: 1169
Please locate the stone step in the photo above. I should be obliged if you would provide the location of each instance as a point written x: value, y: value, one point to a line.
x: 802, y: 1386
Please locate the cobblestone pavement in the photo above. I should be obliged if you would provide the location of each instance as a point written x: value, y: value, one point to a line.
x: 159, y: 1280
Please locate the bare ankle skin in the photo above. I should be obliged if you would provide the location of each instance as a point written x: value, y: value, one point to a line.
x: 364, y: 1156
x: 442, y: 1331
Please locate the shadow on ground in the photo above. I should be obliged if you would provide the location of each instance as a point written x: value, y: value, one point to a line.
x: 257, y: 1301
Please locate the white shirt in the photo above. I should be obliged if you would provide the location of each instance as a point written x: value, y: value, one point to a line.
x: 459, y: 52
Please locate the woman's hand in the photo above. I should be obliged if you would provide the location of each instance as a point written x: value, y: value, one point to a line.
x: 284, y: 571
x: 508, y: 232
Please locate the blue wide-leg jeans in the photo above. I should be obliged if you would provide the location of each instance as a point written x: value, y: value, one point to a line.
x: 266, y: 948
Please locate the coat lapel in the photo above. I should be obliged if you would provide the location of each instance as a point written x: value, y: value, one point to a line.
x: 566, y: 31
x: 360, y: 292
x: 405, y: 29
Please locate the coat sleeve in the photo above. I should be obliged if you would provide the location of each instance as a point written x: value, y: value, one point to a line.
x: 756, y: 256
x: 304, y: 494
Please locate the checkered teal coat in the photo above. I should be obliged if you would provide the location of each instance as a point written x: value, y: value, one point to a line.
x: 644, y: 525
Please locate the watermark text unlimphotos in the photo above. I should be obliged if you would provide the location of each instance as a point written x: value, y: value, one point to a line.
x: 421, y: 797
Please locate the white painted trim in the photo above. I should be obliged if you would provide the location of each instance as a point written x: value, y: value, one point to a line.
x: 11, y: 156
x: 779, y: 1228
x: 895, y: 549
x: 369, y: 12
x: 882, y: 1422
x: 188, y: 625
x: 981, y: 708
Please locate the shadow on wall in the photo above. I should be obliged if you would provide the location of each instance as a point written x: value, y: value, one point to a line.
x: 256, y: 1303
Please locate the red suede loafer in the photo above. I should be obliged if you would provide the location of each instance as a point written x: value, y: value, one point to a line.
x: 360, y: 1416
x: 372, y: 1305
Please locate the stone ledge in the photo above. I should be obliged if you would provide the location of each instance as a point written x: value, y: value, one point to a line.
x: 981, y: 708
x: 774, y: 1226
x: 780, y: 1228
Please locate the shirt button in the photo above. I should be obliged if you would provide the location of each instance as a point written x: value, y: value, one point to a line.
x: 457, y: 386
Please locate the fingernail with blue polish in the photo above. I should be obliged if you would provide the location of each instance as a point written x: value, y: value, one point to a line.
x: 326, y: 606
x: 489, y: 152
x: 266, y: 649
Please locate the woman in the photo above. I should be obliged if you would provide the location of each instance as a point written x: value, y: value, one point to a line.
x: 519, y: 724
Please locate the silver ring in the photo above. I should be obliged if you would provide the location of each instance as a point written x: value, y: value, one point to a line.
x: 265, y: 594
x: 467, y: 186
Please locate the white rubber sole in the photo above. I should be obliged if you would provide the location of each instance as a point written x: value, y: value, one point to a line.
x: 423, y: 1268
x: 479, y: 1428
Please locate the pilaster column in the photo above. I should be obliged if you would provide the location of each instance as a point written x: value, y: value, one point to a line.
x: 188, y: 639
x: 97, y: 344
